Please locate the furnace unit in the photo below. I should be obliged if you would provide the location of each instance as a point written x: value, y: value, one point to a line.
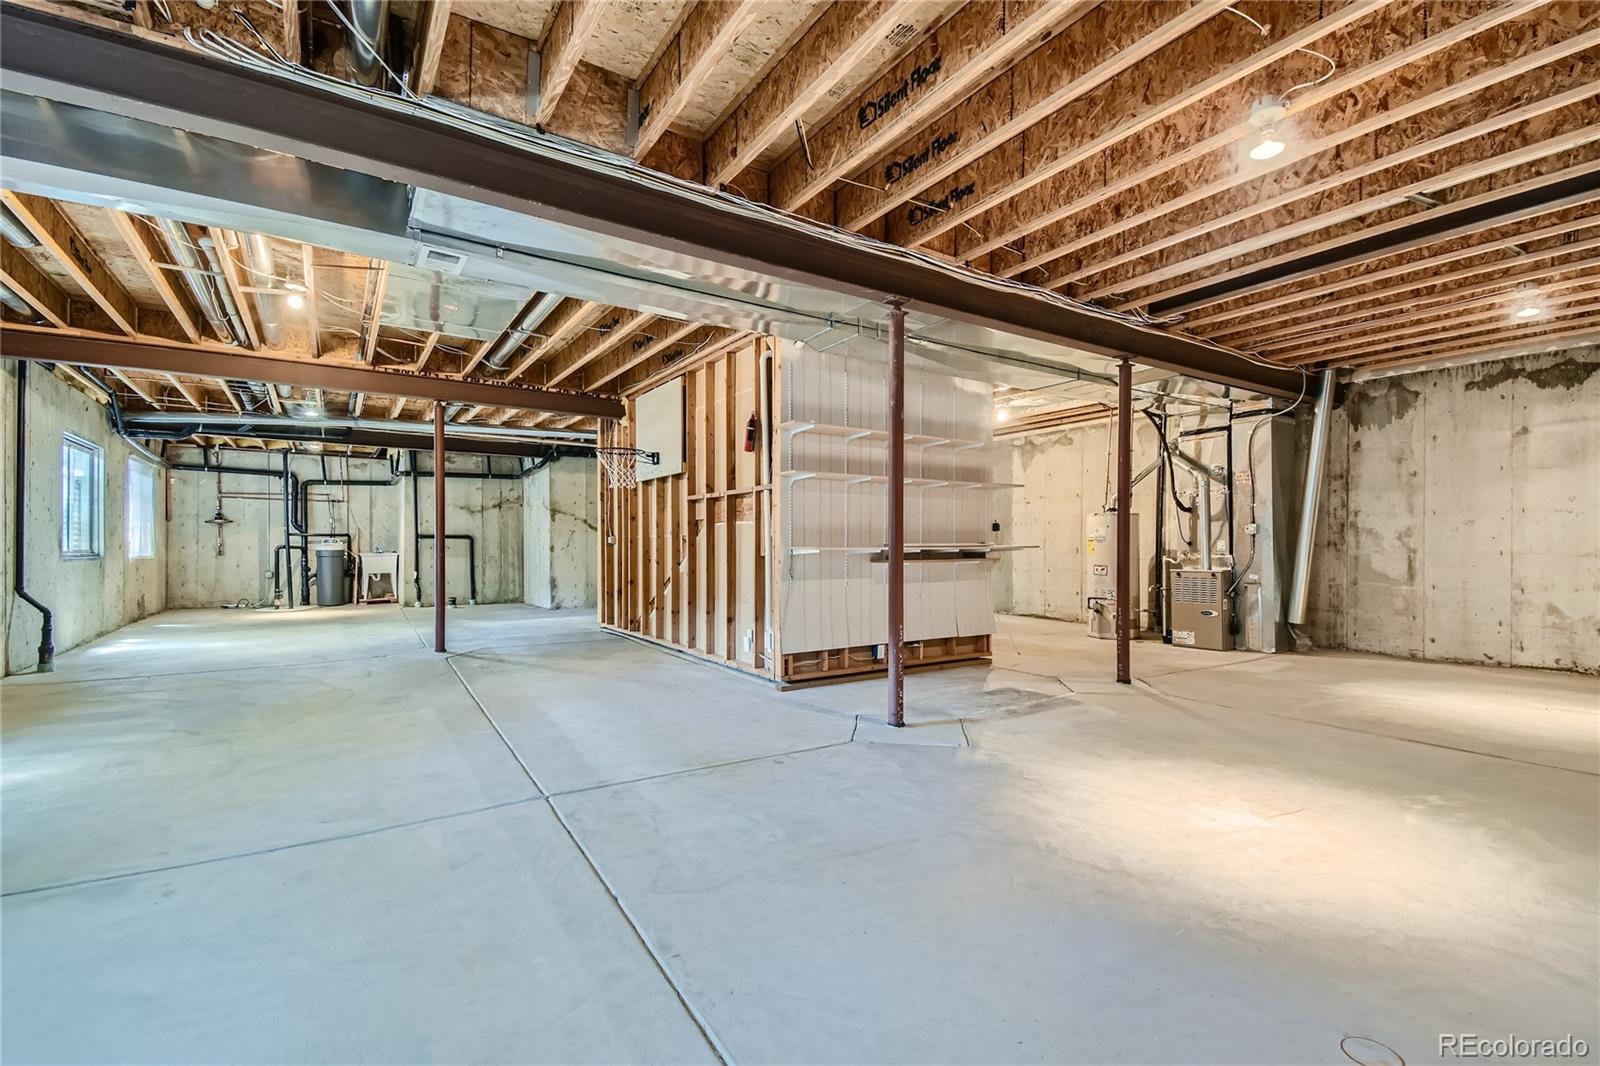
x: 1200, y: 616
x: 1100, y: 574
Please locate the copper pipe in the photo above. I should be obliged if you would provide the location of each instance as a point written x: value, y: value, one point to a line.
x: 438, y: 527
x: 1124, y: 515
x: 897, y: 512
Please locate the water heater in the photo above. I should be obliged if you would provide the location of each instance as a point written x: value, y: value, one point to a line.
x: 1100, y: 574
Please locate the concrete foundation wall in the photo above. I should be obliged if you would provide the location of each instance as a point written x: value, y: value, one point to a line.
x: 560, y: 514
x: 1461, y: 519
x: 88, y: 597
x: 378, y: 518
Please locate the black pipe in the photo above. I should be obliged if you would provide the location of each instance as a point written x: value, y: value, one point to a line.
x: 47, y: 644
x: 472, y: 559
x: 202, y: 468
x: 1233, y: 560
x: 416, y: 536
x: 288, y: 526
x: 277, y: 575
x: 303, y: 510
x: 1161, y: 537
x: 469, y: 475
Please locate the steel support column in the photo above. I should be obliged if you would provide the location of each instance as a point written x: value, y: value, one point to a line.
x: 438, y: 527
x: 1124, y: 512
x: 897, y: 512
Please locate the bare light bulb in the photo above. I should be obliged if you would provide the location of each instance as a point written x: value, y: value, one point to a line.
x: 295, y: 301
x: 1269, y: 147
x: 1001, y: 414
x: 1529, y: 311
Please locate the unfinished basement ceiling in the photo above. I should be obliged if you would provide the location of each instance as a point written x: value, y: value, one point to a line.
x: 1434, y: 196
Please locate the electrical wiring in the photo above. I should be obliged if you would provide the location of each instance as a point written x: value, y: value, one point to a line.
x: 1332, y: 69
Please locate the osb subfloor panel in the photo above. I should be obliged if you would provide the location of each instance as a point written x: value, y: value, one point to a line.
x: 305, y: 837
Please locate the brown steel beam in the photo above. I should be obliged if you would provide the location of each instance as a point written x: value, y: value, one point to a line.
x: 438, y: 527
x: 897, y: 513
x: 1124, y: 514
x: 54, y: 346
x: 71, y: 62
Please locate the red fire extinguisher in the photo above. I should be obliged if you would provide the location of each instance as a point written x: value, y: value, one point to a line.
x: 750, y: 434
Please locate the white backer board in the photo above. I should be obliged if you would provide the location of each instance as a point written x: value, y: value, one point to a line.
x: 658, y: 416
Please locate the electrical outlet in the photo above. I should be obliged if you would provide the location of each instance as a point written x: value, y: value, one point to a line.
x: 1251, y: 528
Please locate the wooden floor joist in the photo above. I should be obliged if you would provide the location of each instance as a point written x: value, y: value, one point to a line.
x: 1094, y: 49
x: 1093, y: 247
x: 1489, y: 249
x: 1150, y: 167
x: 1445, y: 162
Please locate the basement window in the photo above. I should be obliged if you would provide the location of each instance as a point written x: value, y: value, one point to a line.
x: 141, y: 510
x: 82, y: 503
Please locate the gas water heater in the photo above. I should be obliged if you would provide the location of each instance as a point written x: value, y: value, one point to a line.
x: 1100, y: 574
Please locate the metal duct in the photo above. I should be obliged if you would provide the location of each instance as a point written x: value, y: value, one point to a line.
x: 522, y: 329
x: 1305, y: 536
x: 269, y: 307
x: 181, y: 248
x: 11, y: 299
x: 15, y: 231
x: 230, y: 308
x: 1202, y: 504
x: 369, y: 21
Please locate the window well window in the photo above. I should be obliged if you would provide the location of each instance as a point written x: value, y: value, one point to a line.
x: 82, y: 506
x: 141, y: 510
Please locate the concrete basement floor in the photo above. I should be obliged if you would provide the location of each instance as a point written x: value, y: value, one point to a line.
x: 302, y: 836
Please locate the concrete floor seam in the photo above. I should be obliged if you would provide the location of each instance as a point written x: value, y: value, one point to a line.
x: 699, y: 769
x: 26, y: 679
x: 257, y: 852
x: 1374, y: 733
x: 701, y: 1023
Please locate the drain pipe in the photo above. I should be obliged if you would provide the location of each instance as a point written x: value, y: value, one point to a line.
x: 47, y: 644
x: 416, y: 535
x: 288, y: 527
x: 521, y: 330
x: 1305, y: 537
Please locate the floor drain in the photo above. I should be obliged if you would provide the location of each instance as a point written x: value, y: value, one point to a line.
x: 1369, y: 1052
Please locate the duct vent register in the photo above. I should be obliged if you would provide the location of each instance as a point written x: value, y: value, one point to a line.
x: 1200, y: 615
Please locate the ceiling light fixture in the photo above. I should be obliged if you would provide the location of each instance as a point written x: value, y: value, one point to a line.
x: 1528, y: 305
x: 1265, y: 116
x: 1001, y: 414
x: 295, y: 301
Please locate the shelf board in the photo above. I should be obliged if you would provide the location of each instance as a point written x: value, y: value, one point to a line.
x: 852, y: 433
x: 879, y: 479
x: 951, y: 550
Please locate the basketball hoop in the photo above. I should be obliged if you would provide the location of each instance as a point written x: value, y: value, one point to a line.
x: 622, y: 464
